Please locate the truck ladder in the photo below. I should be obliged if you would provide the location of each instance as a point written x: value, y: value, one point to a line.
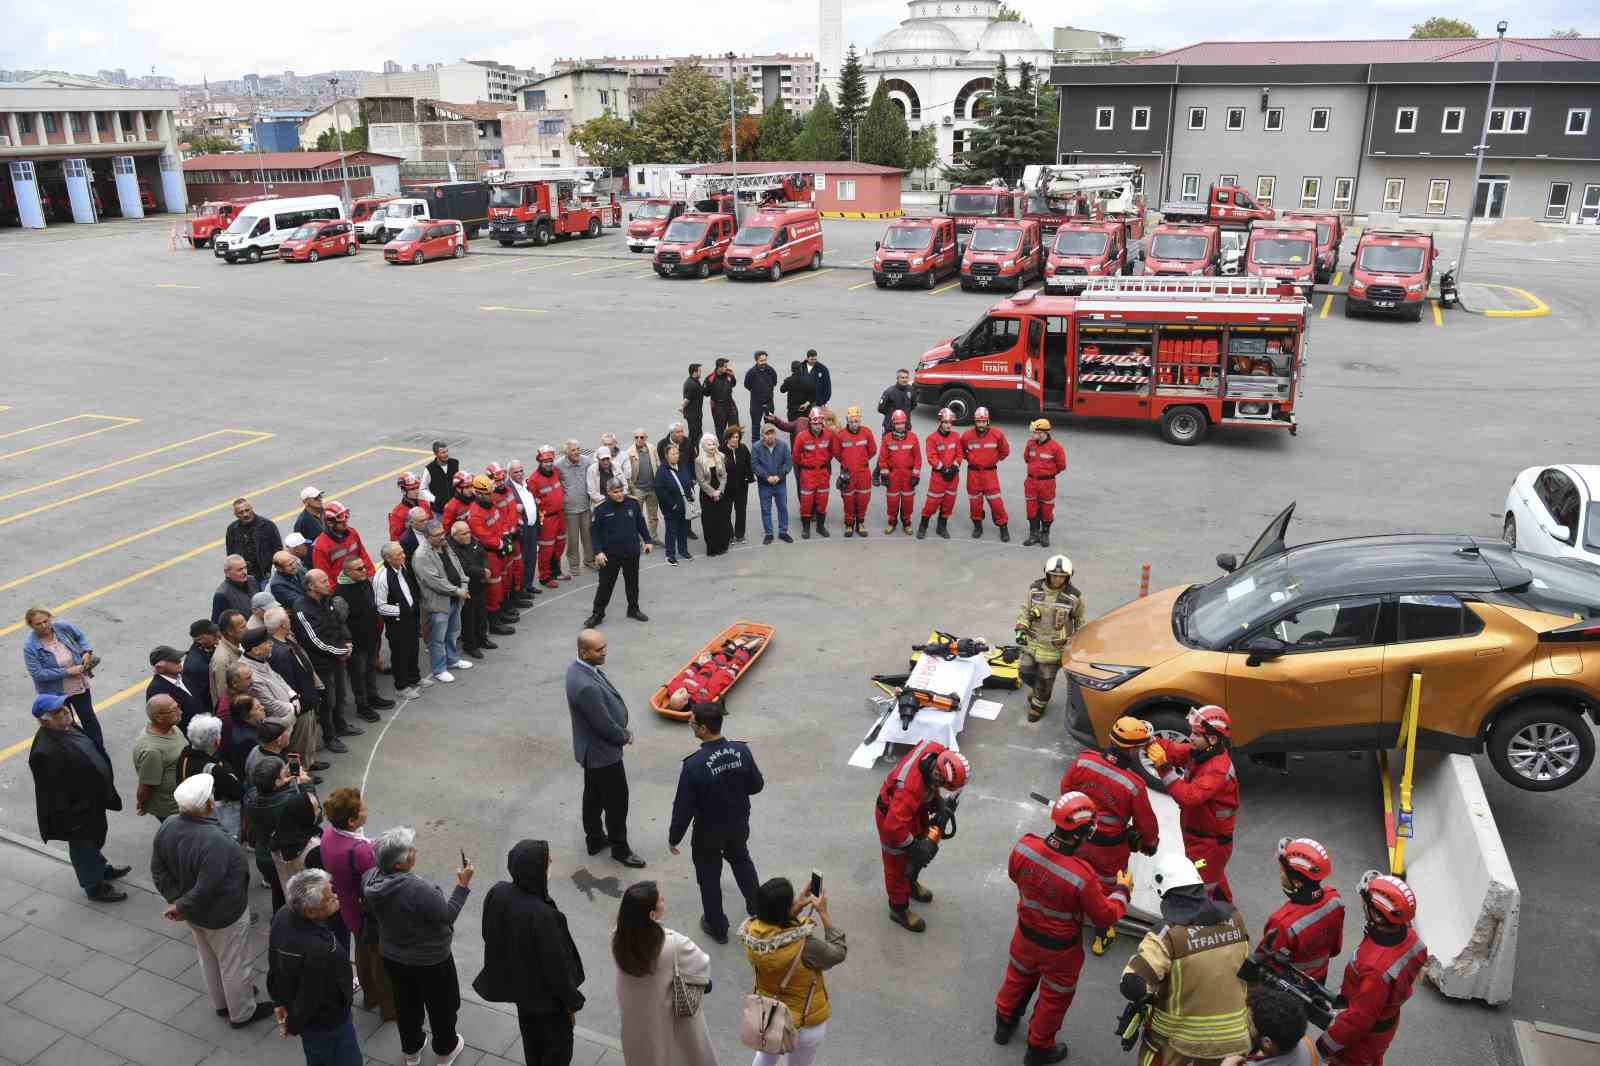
x: 749, y: 182
x: 1155, y: 285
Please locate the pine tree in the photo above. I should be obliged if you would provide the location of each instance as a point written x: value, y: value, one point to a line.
x: 884, y: 138
x: 985, y: 154
x: 774, y: 142
x: 818, y: 141
x: 852, y: 105
x: 1036, y: 132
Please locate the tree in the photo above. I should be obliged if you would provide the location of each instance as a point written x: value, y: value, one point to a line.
x: 1035, y: 131
x: 818, y: 141
x: 774, y: 142
x: 355, y: 139
x: 210, y: 143
x: 884, y: 138
x: 1572, y: 34
x: 605, y: 140
x: 1440, y: 26
x: 1009, y: 14
x: 852, y: 105
x: 684, y: 121
x: 1049, y: 118
x: 922, y: 149
x: 749, y: 132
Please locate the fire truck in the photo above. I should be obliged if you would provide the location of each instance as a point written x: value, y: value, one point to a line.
x: 1187, y: 354
x: 541, y: 205
x: 714, y: 195
x: 1284, y: 249
x: 970, y: 204
x: 1087, y: 192
x: 1224, y: 205
x: 212, y: 217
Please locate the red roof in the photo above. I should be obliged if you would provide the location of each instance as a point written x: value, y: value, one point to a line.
x: 811, y: 167
x: 275, y: 160
x: 1426, y: 50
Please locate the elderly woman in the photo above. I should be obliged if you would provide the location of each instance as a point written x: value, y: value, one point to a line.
x: 203, y: 756
x: 61, y: 661
x: 347, y: 854
x: 415, y: 927
x: 283, y: 813
x: 648, y: 954
x: 711, y: 475
x: 675, y: 493
x: 741, y: 475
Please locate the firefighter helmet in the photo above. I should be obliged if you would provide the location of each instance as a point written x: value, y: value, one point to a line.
x: 1130, y: 732
x: 946, y: 415
x: 1058, y: 564
x: 898, y: 419
x: 816, y: 413
x: 1388, y: 896
x: 496, y: 472
x: 950, y: 770
x: 1175, y: 871
x: 981, y: 415
x: 1072, y: 812
x: 1040, y: 425
x: 1305, y: 857
x: 482, y: 484
x: 461, y: 479
x: 546, y: 451
x: 334, y: 511
x: 408, y: 482
x: 1213, y: 720
x: 852, y: 411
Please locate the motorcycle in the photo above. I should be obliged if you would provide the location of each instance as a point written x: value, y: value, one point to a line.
x: 1448, y: 295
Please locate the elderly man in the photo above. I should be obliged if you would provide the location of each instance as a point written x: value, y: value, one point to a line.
x: 399, y: 601
x: 599, y: 733
x: 474, y: 564
x: 442, y: 589
x: 203, y: 637
x: 73, y: 788
x: 527, y: 527
x: 638, y: 473
x: 231, y: 629
x: 677, y: 437
x: 288, y: 578
x: 155, y: 759
x: 308, y: 523
x: 602, y: 470
x: 417, y: 520
x: 253, y: 537
x: 573, y: 466
x: 166, y: 679
x: 290, y: 662
x: 325, y: 637
x: 619, y: 534
x: 201, y: 872
x: 236, y: 590
x: 308, y: 973
x: 276, y: 696
x: 354, y: 590
x: 299, y: 547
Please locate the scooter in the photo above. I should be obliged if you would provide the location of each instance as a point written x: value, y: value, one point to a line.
x: 1448, y: 296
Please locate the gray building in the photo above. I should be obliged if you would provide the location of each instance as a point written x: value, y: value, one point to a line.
x: 1352, y: 126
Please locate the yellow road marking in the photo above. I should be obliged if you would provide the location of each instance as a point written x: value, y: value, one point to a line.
x: 1337, y: 274
x: 1327, y: 303
x: 945, y: 288
x: 175, y: 285
x: 803, y: 277
x: 547, y: 266
x: 863, y: 285
x: 47, y: 425
x: 524, y: 310
x: 1538, y: 310
x: 1438, y: 319
x: 226, y: 505
x: 120, y: 462
x: 76, y: 436
x: 714, y: 277
x: 608, y: 266
x: 257, y: 438
x: 99, y: 706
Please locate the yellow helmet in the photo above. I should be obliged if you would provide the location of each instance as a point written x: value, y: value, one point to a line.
x: 1040, y: 423
x: 1129, y: 732
x: 482, y: 484
x: 852, y: 412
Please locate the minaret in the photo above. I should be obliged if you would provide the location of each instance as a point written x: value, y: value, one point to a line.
x: 830, y: 44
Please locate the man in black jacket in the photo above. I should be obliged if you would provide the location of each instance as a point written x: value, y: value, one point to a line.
x: 897, y: 397
x: 326, y: 639
x: 619, y: 534
x: 168, y: 679
x: 529, y: 958
x: 441, y: 475
x: 313, y: 729
x: 398, y: 598
x: 694, y: 407
x: 308, y: 974
x: 253, y: 537
x: 761, y: 381
x: 73, y: 788
x: 799, y: 389
x: 719, y: 387
x: 714, y: 790
x: 354, y: 589
x: 203, y: 637
x: 475, y: 612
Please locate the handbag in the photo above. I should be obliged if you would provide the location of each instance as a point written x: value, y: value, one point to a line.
x: 767, y: 1024
x: 686, y: 995
x: 691, y: 508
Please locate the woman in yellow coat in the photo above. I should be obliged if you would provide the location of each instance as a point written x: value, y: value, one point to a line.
x: 772, y: 940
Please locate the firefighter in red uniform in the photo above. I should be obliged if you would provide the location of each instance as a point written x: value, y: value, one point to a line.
x: 455, y: 510
x: 1059, y: 893
x: 510, y: 520
x: 336, y: 542
x: 545, y: 484
x: 813, y: 460
x: 1124, y: 820
x: 1201, y: 780
x: 943, y: 449
x: 900, y: 468
x: 853, y: 447
x: 1307, y: 932
x: 1045, y: 460
x: 487, y: 523
x: 985, y: 448
x: 410, y: 486
x: 912, y: 817
x: 1378, y: 979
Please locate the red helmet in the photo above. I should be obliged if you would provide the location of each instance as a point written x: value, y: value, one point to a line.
x: 950, y: 770
x: 461, y: 479
x: 981, y: 413
x: 496, y: 472
x: 1305, y: 857
x: 816, y: 414
x: 1211, y: 719
x: 408, y: 482
x: 946, y: 415
x: 1391, y: 897
x: 546, y: 451
x: 1072, y: 811
x: 335, y: 511
x: 898, y: 419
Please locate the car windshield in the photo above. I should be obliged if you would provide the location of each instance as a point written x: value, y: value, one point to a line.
x: 652, y: 211
x: 1185, y: 247
x: 1069, y: 242
x: 1282, y: 251
x: 974, y: 203
x: 754, y: 235
x: 1043, y: 205
x: 397, y: 210
x: 1324, y: 232
x: 906, y: 238
x: 242, y: 224
x: 995, y: 240
x: 411, y: 233
x: 1559, y: 586
x: 1226, y: 609
x: 304, y: 233
x: 682, y: 232
x: 505, y: 196
x: 1390, y: 259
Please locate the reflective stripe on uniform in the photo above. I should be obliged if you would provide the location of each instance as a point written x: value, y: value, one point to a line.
x: 909, y: 764
x: 1305, y: 921
x: 1025, y: 970
x: 1203, y: 1027
x: 1307, y: 965
x: 1399, y: 964
x: 1065, y: 875
x: 1225, y: 812
x: 1033, y: 904
x: 1109, y: 774
x: 1065, y: 990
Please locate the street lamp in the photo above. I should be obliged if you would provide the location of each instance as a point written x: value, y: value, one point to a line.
x: 733, y: 135
x: 344, y: 169
x: 1483, y: 144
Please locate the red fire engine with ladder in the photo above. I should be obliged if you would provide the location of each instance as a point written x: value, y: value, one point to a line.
x: 713, y: 195
x: 1188, y: 354
x: 1089, y: 191
x: 547, y: 202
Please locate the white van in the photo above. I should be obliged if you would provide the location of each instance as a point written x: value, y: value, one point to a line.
x: 260, y: 227
x: 398, y: 214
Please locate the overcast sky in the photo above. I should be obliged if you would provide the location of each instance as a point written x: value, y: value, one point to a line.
x: 187, y: 39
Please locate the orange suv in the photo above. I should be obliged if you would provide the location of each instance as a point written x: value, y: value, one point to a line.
x: 1312, y: 648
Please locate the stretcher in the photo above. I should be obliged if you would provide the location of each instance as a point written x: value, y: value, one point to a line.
x: 659, y: 699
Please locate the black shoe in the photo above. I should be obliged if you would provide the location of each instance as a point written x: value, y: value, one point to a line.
x: 595, y: 849
x: 849, y: 530
x: 805, y: 529
x: 922, y: 529
x: 489, y: 645
x: 105, y: 892
x: 345, y: 729
x: 506, y: 616
x: 671, y: 561
x: 381, y: 703
x: 1005, y: 533
x: 593, y: 620
x: 318, y: 766
x: 767, y: 539
x: 861, y: 529
x: 335, y: 745
x: 474, y: 653
x: 692, y: 534
x: 523, y: 599
x: 705, y: 927
x: 316, y: 779
x: 500, y: 630
x: 112, y: 873
x: 1044, y: 534
x: 263, y: 1010
x: 686, y: 557
x: 630, y: 860
x: 1033, y: 533
x: 943, y: 528
x: 822, y: 528
x: 786, y: 538
x: 1043, y: 1056
x: 977, y: 530
x: 637, y: 615
x: 367, y: 714
x: 1003, y: 1029
x: 921, y: 894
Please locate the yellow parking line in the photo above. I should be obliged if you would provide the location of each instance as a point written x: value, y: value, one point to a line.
x: 1438, y: 319
x: 1327, y: 303
x: 68, y: 440
x: 257, y: 438
x: 863, y: 285
x: 120, y: 462
x: 944, y: 288
x: 803, y: 277
x: 714, y: 277
x: 47, y: 425
x: 525, y: 310
x: 652, y: 274
x: 547, y: 266
x: 99, y: 706
x: 479, y: 266
x: 598, y: 269
x: 1538, y: 310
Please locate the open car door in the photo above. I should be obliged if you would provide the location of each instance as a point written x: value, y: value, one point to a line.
x: 1269, y: 543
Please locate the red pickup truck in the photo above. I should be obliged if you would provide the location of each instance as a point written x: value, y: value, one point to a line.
x: 1223, y: 205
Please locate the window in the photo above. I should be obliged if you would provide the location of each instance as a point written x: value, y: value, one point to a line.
x: 1343, y: 193
x: 78, y: 123
x: 1438, y: 195
x: 1266, y: 186
x: 1577, y: 122
x: 1272, y: 121
x: 605, y: 98
x: 1555, y: 205
x: 1197, y: 118
x: 1321, y: 118
x: 1227, y: 179
x: 1560, y: 498
x: 536, y: 100
x: 844, y: 189
x: 995, y: 335
x: 551, y: 127
x: 1191, y: 188
x: 1405, y: 120
x: 1234, y: 119
x: 1104, y: 118
x: 1434, y: 617
x: 1141, y: 118
x: 1454, y: 119
x: 1310, y: 191
x: 1394, y: 191
x: 1509, y: 119
x: 50, y: 122
x: 24, y: 123
x: 1343, y: 624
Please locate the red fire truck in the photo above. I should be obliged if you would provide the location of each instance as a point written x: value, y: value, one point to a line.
x: 1185, y: 353
x: 1390, y: 273
x: 1330, y: 235
x: 1285, y: 251
x: 212, y: 217
x: 696, y: 243
x: 970, y: 204
x: 649, y: 220
x: 1089, y: 191
x: 1224, y: 205
x: 713, y: 194
x: 917, y: 251
x: 540, y: 209
x: 1084, y: 250
x: 1002, y: 254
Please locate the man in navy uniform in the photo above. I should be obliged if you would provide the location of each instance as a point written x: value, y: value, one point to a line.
x: 714, y: 790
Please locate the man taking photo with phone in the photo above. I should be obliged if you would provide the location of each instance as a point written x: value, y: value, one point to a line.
x: 714, y: 790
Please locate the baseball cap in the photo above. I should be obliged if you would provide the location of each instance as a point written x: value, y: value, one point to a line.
x: 293, y: 540
x: 254, y: 638
x: 50, y: 701
x: 310, y: 492
x: 165, y: 653
x: 263, y: 601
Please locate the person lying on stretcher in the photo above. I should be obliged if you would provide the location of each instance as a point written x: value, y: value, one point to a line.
x: 712, y: 673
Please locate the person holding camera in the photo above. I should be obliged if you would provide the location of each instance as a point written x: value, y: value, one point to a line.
x: 61, y: 661
x: 714, y: 790
x: 789, y: 960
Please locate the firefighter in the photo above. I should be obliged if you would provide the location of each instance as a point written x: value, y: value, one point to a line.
x: 911, y: 812
x: 1058, y: 894
x: 899, y: 469
x: 813, y: 459
x: 984, y: 448
x: 1045, y: 460
x: 456, y: 508
x: 943, y: 448
x: 1307, y: 932
x: 1378, y: 978
x: 551, y: 500
x: 487, y: 523
x: 510, y: 521
x: 1124, y: 821
x: 1200, y: 778
x: 854, y: 447
x: 1187, y: 972
x: 400, y: 517
x: 1051, y: 613
x: 337, y: 541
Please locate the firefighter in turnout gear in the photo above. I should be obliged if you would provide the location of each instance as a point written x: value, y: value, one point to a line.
x: 487, y: 522
x: 1200, y: 778
x: 1045, y: 460
x: 1058, y: 894
x: 1051, y: 613
x: 1124, y: 821
x: 410, y: 496
x: 813, y: 461
x: 1187, y: 972
x: 1307, y: 932
x: 943, y: 449
x: 550, y: 498
x: 854, y: 447
x: 985, y: 448
x: 455, y: 509
x: 915, y: 810
x: 1379, y: 977
x: 510, y: 520
x: 899, y: 469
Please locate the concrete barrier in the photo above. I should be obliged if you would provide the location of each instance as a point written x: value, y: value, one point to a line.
x: 1468, y: 903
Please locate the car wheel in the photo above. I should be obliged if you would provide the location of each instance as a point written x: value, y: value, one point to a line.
x: 1349, y: 309
x: 1508, y: 532
x: 704, y: 270
x: 880, y: 283
x: 254, y: 255
x: 816, y: 261
x: 460, y: 251
x: 312, y: 257
x: 775, y: 272
x: 1168, y: 723
x: 594, y: 228
x: 928, y: 280
x: 1183, y: 425
x: 541, y: 235
x: 351, y: 248
x: 416, y: 260
x: 961, y: 403
x: 1541, y: 746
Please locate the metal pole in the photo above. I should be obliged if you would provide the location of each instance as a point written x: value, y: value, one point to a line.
x: 344, y: 169
x: 255, y: 120
x: 733, y: 135
x: 1483, y: 144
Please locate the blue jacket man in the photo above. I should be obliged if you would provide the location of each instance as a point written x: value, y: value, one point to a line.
x: 771, y: 461
x: 619, y: 535
x: 599, y: 733
x: 714, y: 790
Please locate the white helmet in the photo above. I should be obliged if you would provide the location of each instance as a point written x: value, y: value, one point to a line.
x: 981, y: 413
x: 946, y: 415
x: 1058, y: 564
x: 1174, y: 871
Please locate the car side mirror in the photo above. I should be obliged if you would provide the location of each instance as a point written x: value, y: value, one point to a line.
x: 1263, y: 649
x: 1561, y: 532
x: 1228, y: 561
x: 877, y: 245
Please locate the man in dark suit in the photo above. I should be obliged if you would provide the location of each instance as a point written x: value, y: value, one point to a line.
x: 168, y: 680
x: 395, y: 590
x: 619, y: 534
x: 73, y: 788
x: 440, y: 473
x: 599, y: 733
x: 694, y: 403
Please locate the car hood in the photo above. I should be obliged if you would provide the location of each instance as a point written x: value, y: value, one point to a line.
x: 1139, y: 633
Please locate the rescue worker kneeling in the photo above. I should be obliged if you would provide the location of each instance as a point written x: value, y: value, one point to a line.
x: 1051, y: 613
x: 1058, y: 894
x: 912, y: 815
x: 1188, y: 972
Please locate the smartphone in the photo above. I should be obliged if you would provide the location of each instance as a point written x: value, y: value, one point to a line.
x: 816, y: 884
x: 294, y: 763
x: 463, y: 856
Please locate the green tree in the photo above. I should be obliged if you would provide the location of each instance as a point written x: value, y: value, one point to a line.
x: 355, y: 139
x: 773, y: 143
x: 922, y: 149
x: 852, y: 107
x: 209, y: 143
x: 818, y: 140
x: 884, y: 138
x: 1049, y: 118
x: 1571, y: 34
x: 684, y: 121
x: 1035, y: 132
x: 1009, y: 14
x: 1440, y: 26
x: 605, y: 140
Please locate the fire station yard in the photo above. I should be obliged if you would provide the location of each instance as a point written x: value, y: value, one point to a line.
x: 174, y: 369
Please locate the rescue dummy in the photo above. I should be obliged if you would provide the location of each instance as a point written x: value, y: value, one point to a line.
x: 1200, y: 778
x: 1379, y: 977
x: 712, y: 673
x: 1051, y: 612
x: 916, y: 810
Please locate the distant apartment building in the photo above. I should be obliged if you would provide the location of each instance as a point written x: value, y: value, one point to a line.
x: 540, y: 133
x: 1074, y: 46
x: 470, y: 81
x: 791, y: 79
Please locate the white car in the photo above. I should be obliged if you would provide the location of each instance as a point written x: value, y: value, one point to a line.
x: 1555, y: 510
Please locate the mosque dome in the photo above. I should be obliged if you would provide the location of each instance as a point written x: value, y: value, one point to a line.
x: 918, y: 35
x: 1007, y: 38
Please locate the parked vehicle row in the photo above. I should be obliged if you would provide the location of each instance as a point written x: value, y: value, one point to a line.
x: 772, y: 242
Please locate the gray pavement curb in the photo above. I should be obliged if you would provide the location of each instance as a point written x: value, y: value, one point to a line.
x: 1526, y: 1037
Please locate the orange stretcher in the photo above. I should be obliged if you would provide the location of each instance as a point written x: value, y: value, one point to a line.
x: 659, y: 699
